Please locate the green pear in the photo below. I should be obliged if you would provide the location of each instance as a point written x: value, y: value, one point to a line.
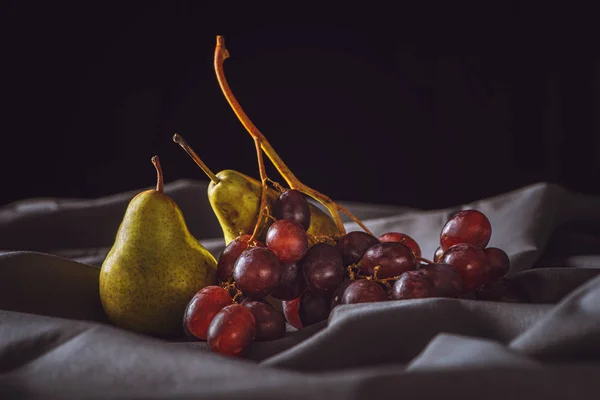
x: 154, y: 267
x: 235, y: 200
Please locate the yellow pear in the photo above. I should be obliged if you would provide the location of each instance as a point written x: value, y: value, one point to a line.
x: 154, y: 267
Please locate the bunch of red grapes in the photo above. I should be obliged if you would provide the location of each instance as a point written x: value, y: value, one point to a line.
x: 354, y: 268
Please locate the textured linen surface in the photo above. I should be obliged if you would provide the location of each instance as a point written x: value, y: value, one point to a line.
x: 55, y: 341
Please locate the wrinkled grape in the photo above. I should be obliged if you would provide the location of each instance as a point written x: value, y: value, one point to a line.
x: 307, y: 309
x: 470, y: 262
x: 270, y: 323
x: 446, y: 279
x: 364, y: 291
x: 322, y: 267
x: 203, y: 307
x: 257, y: 272
x: 231, y: 253
x: 352, y: 246
x: 232, y: 330
x: 287, y: 239
x: 291, y: 284
x: 499, y: 262
x: 392, y: 258
x: 470, y: 227
x: 402, y: 238
x: 291, y: 204
x: 413, y: 285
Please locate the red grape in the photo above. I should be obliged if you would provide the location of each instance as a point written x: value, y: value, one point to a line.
x: 445, y: 278
x: 292, y: 283
x: 257, y: 272
x: 322, y: 267
x: 336, y: 297
x: 402, y: 238
x: 470, y: 262
x: 364, y: 291
x: 292, y: 205
x: 291, y: 310
x: 232, y: 330
x: 437, y: 256
x: 392, y: 258
x: 203, y: 307
x: 307, y: 309
x: 469, y: 226
x: 353, y: 245
x: 413, y: 285
x: 287, y: 239
x: 270, y: 323
x: 499, y: 262
x: 230, y: 255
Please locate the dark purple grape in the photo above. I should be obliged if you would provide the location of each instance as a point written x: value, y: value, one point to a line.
x: 364, y: 291
x: 402, y: 238
x: 393, y: 259
x: 446, y: 279
x: 307, y: 309
x: 470, y: 227
x: 413, y: 285
x: 499, y: 262
x: 503, y: 290
x: 232, y: 330
x: 336, y: 297
x: 230, y: 255
x: 353, y: 245
x: 257, y: 272
x: 470, y: 262
x: 437, y: 256
x: 270, y: 323
x: 287, y: 239
x: 203, y: 307
x: 322, y: 267
x: 314, y: 307
x: 292, y: 283
x: 292, y: 205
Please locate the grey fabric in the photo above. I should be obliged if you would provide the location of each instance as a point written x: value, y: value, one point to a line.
x: 55, y: 341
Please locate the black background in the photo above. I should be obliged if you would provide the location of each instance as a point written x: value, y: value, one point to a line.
x: 425, y: 106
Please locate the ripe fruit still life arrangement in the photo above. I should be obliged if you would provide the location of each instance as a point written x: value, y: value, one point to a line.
x: 286, y: 260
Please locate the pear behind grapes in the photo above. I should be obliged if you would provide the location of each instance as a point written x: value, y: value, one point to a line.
x: 154, y: 267
x: 235, y: 200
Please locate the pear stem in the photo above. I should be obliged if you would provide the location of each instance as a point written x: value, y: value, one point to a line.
x: 221, y: 54
x: 159, y: 175
x: 181, y: 142
x: 263, y: 191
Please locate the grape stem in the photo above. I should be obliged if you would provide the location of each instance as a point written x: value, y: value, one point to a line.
x: 237, y: 295
x: 426, y: 261
x: 221, y: 54
x: 160, y: 186
x: 262, y: 211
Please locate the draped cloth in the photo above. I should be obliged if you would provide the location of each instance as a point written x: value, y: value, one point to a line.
x: 55, y: 341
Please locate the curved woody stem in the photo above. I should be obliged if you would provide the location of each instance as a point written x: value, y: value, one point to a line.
x: 221, y: 54
x: 262, y: 211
